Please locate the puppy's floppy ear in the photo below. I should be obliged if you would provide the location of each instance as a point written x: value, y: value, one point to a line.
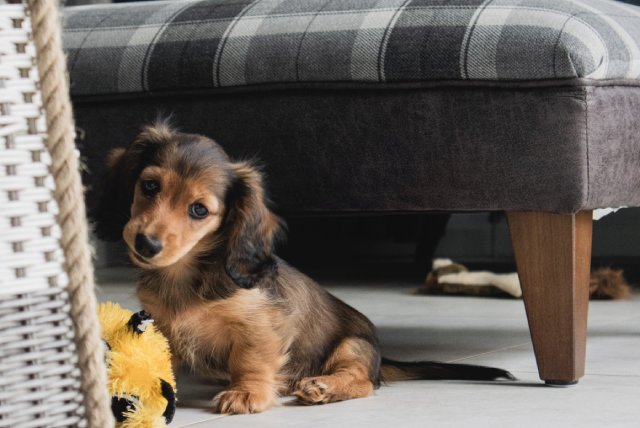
x: 252, y: 229
x: 123, y: 168
x: 112, y: 211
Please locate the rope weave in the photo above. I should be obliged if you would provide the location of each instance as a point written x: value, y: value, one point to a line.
x: 69, y: 195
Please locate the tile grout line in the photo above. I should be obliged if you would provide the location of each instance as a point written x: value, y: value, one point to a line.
x: 190, y: 424
x: 612, y: 375
x: 489, y: 352
x: 619, y: 321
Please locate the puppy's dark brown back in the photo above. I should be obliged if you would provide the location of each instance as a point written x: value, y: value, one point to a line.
x: 321, y: 322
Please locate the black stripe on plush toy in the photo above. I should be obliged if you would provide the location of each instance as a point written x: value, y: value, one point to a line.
x: 121, y: 406
x: 139, y: 321
x: 170, y: 395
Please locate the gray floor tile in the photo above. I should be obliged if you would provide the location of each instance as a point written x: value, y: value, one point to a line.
x: 471, y: 330
x: 189, y: 416
x: 598, y: 401
x: 435, y: 327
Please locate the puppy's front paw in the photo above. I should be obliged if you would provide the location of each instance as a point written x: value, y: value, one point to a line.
x: 313, y: 390
x: 239, y: 401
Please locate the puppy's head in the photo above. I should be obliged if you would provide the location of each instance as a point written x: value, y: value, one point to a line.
x: 176, y: 197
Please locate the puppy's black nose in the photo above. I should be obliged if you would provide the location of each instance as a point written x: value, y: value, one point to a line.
x: 147, y: 246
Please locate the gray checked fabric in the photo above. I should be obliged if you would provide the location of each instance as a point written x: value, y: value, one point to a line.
x: 203, y: 44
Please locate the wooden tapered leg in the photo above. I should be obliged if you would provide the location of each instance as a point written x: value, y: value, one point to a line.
x: 553, y: 256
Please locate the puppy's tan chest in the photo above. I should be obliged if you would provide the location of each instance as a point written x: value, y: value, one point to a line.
x: 202, y: 334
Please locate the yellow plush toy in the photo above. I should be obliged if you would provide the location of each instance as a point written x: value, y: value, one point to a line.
x: 141, y: 380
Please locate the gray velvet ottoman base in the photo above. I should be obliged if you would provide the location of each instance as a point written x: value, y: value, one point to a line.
x: 561, y: 148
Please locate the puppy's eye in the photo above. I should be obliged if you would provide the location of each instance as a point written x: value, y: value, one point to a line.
x: 198, y: 211
x: 149, y: 188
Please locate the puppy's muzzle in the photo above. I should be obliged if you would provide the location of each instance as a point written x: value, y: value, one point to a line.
x: 147, y: 246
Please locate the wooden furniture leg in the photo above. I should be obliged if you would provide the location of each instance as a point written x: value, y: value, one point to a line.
x: 553, y: 256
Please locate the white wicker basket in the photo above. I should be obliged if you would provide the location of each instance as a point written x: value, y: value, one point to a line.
x: 39, y: 375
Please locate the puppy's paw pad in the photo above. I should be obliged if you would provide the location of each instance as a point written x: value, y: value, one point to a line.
x: 312, y: 391
x: 235, y: 402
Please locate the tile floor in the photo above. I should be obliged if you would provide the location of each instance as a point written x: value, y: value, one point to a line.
x: 469, y: 330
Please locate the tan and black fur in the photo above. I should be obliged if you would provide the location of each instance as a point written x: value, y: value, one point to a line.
x: 229, y: 306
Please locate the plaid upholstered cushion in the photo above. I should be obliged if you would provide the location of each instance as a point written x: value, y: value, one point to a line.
x: 203, y: 44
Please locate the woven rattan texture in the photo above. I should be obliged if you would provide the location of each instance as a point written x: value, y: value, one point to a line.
x: 39, y: 375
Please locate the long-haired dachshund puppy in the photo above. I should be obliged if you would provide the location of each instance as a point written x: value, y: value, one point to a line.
x: 199, y: 226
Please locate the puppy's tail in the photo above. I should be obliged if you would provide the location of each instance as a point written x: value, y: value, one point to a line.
x: 391, y: 370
